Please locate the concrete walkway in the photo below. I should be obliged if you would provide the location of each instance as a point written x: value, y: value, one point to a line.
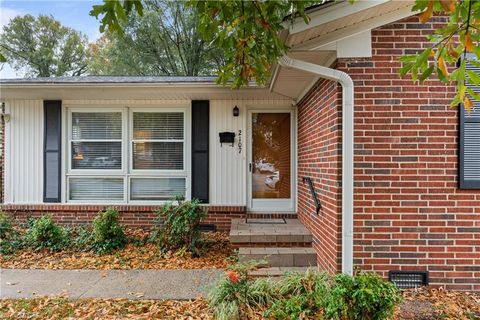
x: 131, y: 284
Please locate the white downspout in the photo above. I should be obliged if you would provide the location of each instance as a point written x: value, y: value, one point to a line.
x: 347, y: 148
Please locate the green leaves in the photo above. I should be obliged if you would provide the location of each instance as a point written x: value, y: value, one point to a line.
x: 115, y: 13
x: 43, y: 47
x: 248, y: 34
x: 450, y: 43
x: 178, y: 225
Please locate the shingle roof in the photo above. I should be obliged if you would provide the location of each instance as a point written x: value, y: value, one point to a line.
x: 109, y: 79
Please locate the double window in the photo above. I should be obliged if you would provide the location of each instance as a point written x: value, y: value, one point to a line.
x: 126, y: 154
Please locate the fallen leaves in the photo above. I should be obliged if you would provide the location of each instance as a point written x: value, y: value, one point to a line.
x: 429, y: 303
x: 146, y: 256
x: 425, y: 303
x: 63, y: 308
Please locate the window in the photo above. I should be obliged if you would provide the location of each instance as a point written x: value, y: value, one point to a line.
x: 470, y: 148
x: 110, y: 161
x: 96, y: 140
x: 156, y: 188
x: 157, y: 141
x: 469, y: 155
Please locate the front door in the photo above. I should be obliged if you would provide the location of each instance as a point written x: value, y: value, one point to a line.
x: 270, y: 166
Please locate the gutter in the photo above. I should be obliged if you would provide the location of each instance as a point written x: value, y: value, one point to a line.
x: 347, y: 148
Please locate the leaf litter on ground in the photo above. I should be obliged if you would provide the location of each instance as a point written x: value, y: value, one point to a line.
x: 217, y: 254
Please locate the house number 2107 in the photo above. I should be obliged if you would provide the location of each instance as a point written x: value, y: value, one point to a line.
x: 239, y: 141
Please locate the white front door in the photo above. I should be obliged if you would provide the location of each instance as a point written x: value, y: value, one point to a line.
x: 270, y: 161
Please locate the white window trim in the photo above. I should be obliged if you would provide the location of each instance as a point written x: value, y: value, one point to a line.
x: 127, y: 172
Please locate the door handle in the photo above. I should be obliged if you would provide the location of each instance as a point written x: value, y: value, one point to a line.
x: 250, y: 167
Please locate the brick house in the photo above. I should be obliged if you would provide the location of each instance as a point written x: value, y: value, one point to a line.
x: 394, y: 168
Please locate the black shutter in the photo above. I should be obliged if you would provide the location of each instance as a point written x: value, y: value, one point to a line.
x: 52, y: 151
x: 469, y: 155
x: 200, y: 135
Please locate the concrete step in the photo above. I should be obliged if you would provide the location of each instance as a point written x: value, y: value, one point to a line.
x: 288, y: 232
x: 273, y: 272
x: 279, y: 256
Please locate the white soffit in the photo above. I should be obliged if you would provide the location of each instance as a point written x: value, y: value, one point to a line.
x: 344, y: 20
x: 339, y: 30
x: 294, y: 83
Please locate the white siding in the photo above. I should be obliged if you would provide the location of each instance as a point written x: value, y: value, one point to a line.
x: 24, y: 146
x: 24, y: 151
x: 228, y: 167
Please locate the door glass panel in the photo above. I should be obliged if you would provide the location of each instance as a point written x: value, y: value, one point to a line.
x: 271, y: 150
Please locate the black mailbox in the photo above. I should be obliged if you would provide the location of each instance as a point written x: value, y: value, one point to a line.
x: 227, y: 137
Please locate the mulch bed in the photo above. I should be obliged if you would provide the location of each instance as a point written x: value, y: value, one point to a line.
x: 217, y: 254
x: 422, y: 304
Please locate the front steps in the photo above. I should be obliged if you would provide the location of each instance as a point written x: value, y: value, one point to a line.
x: 284, y: 243
x: 280, y: 257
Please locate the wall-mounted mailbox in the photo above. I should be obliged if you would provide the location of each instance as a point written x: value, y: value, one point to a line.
x: 227, y: 137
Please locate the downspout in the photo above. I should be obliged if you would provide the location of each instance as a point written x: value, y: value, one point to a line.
x: 347, y: 148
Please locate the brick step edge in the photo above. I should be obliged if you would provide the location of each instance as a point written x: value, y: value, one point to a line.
x: 280, y: 257
x: 270, y: 238
x: 276, y: 271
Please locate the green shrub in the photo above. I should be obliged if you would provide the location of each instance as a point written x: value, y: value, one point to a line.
x: 107, y: 233
x: 6, y: 226
x: 303, y: 295
x: 82, y: 238
x: 15, y: 242
x: 43, y: 233
x: 177, y: 225
x: 364, y: 297
x: 234, y: 294
x: 309, y: 295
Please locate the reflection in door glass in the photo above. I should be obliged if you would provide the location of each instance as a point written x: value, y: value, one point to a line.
x: 271, y: 150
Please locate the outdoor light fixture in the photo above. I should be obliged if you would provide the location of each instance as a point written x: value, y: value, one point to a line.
x: 6, y: 117
x: 236, y: 111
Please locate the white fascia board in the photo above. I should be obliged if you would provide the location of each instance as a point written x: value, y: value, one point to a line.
x: 363, y: 26
x: 335, y: 12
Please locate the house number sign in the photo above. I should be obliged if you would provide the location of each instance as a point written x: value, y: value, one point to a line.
x: 239, y: 141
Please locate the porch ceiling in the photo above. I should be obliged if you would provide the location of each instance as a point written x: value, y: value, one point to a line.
x: 292, y: 83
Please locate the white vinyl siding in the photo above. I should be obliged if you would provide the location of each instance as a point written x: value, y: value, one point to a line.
x: 23, y: 157
x: 228, y: 165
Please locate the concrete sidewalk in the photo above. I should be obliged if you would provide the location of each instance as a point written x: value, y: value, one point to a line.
x: 131, y: 284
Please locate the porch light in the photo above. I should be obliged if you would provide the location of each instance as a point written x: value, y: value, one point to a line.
x: 6, y: 117
x: 236, y: 111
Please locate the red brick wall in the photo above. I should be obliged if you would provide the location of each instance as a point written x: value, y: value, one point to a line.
x: 319, y: 143
x: 130, y: 215
x: 409, y: 213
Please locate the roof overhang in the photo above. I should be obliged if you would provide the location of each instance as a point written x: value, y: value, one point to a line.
x: 132, y: 90
x: 336, y: 30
